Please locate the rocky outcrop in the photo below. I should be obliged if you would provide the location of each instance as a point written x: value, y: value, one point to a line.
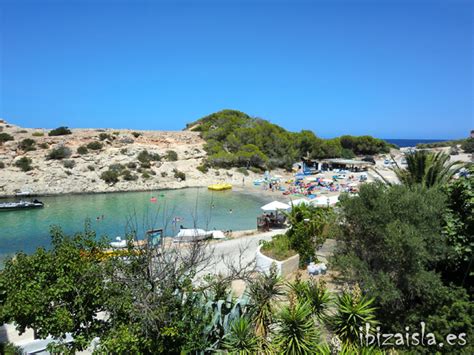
x: 51, y: 176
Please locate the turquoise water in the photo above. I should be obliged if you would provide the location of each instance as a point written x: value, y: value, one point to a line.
x: 122, y: 212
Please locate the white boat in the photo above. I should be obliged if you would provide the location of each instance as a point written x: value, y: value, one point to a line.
x: 119, y: 243
x: 24, y: 192
x: 191, y: 235
x: 22, y: 205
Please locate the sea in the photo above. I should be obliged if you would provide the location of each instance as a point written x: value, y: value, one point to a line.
x: 402, y: 143
x: 116, y: 214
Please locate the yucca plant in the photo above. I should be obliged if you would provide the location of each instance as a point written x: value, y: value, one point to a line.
x: 353, y: 310
x: 263, y: 291
x: 296, y: 331
x: 315, y: 294
x: 241, y: 338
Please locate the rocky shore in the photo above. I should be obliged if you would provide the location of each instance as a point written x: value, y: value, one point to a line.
x: 83, y: 173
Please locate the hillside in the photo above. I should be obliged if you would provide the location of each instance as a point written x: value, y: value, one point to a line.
x: 233, y: 138
x: 25, y: 161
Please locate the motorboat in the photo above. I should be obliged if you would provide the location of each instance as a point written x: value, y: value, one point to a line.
x: 21, y: 205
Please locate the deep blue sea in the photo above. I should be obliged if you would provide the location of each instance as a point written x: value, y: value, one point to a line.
x: 412, y: 142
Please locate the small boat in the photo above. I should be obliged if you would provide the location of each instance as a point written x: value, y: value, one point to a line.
x: 220, y: 187
x: 22, y: 205
x: 24, y: 192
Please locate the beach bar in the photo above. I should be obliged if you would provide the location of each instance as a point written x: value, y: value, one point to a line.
x: 352, y: 165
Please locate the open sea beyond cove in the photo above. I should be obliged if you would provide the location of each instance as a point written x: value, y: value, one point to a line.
x: 115, y: 214
x: 402, y: 143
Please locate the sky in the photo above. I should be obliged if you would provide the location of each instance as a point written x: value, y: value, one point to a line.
x: 388, y: 68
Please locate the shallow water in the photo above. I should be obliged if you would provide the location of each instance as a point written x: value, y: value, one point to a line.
x: 122, y: 212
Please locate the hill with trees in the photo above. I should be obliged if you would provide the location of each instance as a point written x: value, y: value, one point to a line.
x: 233, y: 138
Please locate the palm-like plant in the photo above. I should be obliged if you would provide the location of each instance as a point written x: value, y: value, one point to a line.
x: 315, y: 294
x: 297, y: 333
x: 241, y: 338
x: 263, y: 291
x: 354, y: 310
x: 427, y: 169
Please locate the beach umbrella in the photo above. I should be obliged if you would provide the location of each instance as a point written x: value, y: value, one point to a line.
x: 275, y: 206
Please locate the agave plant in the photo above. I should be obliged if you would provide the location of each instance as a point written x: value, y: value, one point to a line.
x: 241, y: 338
x: 297, y: 332
x: 223, y: 314
x: 263, y: 291
x: 354, y: 311
x: 427, y: 169
x: 315, y: 294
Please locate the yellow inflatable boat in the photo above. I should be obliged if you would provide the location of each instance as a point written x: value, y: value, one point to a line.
x: 220, y: 187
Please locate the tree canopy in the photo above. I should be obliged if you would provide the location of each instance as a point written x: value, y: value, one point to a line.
x: 233, y: 138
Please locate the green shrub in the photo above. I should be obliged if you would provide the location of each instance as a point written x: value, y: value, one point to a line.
x: 5, y: 137
x: 468, y: 145
x: 37, y: 134
x: 255, y: 170
x: 2, y: 165
x: 164, y: 174
x: 43, y: 145
x: 22, y: 131
x: 123, y: 151
x: 136, y: 134
x: 60, y: 152
x: 104, y: 136
x: 60, y: 131
x: 69, y: 164
x: 203, y: 168
x: 179, y: 175
x: 91, y: 167
x: 144, y: 156
x: 110, y: 176
x: 132, y: 165
x: 146, y: 174
x: 128, y: 176
x: 279, y: 248
x: 95, y: 145
x: 171, y: 155
x: 119, y: 168
x: 27, y: 144
x: 145, y: 165
x: 115, y: 133
x: 24, y: 164
x: 82, y: 150
x: 242, y: 170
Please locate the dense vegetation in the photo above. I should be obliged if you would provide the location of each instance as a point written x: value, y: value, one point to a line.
x: 153, y: 305
x: 60, y: 131
x: 235, y: 139
x: 411, y: 247
x: 441, y: 144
